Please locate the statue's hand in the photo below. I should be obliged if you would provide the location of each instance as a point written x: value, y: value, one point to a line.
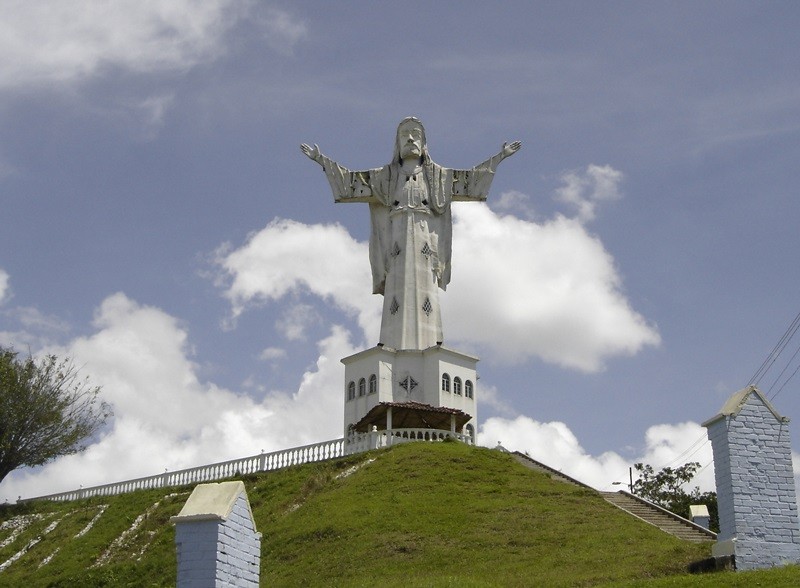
x: 510, y: 149
x: 311, y: 152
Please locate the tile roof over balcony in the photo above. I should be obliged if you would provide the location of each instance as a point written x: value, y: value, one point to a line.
x: 412, y: 415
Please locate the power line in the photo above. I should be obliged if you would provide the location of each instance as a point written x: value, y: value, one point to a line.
x: 787, y: 381
x: 698, y: 444
x: 776, y: 351
x: 783, y: 371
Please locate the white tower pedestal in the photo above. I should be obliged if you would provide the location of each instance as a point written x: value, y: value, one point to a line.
x: 432, y: 378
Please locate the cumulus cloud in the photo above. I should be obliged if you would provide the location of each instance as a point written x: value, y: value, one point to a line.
x: 584, y: 190
x: 296, y: 320
x: 286, y: 257
x: 514, y: 201
x: 490, y: 396
x: 166, y: 417
x: 50, y: 41
x: 555, y: 445
x: 549, y: 290
x: 519, y: 289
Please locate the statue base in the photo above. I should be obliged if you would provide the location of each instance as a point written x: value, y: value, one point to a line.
x: 432, y: 378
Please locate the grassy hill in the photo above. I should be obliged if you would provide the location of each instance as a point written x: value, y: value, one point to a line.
x: 420, y: 514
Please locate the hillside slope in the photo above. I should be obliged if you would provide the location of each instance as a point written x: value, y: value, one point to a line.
x: 442, y: 514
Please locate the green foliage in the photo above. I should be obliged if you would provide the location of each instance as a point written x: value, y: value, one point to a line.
x: 667, y: 489
x: 46, y: 410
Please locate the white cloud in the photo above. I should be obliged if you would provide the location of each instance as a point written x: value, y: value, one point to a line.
x: 272, y: 353
x: 520, y: 289
x: 5, y: 290
x: 490, y: 396
x: 166, y: 417
x: 33, y: 319
x: 549, y: 290
x: 287, y: 256
x: 556, y: 446
x: 512, y: 201
x: 34, y: 328
x: 296, y: 320
x: 50, y: 41
x: 584, y: 191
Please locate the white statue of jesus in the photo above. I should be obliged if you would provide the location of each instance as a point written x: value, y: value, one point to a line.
x: 410, y: 244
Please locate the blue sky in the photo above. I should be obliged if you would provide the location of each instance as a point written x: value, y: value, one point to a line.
x: 634, y: 266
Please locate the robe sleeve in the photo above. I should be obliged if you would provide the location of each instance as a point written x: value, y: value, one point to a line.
x: 472, y: 184
x: 348, y: 185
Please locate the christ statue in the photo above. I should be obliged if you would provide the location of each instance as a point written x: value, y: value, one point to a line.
x: 410, y: 242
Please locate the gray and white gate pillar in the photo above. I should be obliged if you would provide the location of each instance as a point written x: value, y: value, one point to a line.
x: 758, y: 518
x: 216, y: 539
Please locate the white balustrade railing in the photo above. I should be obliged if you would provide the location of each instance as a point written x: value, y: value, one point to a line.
x: 375, y: 439
x: 355, y: 443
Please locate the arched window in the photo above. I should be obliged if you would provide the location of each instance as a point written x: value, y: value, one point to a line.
x: 470, y: 430
x: 468, y: 388
x: 351, y: 390
x: 456, y: 385
x: 362, y: 387
x: 445, y: 382
x: 373, y: 384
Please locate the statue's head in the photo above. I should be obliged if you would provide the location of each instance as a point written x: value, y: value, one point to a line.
x: 410, y: 142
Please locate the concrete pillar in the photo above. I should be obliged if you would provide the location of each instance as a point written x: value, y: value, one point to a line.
x: 758, y: 517
x: 700, y: 516
x: 216, y: 539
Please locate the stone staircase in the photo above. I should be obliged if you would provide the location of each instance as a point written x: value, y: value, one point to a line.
x: 642, y: 509
x: 665, y: 520
x: 531, y: 463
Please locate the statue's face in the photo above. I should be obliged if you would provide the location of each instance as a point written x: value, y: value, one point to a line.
x: 410, y: 137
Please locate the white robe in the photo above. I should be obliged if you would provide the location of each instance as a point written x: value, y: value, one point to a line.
x: 411, y: 234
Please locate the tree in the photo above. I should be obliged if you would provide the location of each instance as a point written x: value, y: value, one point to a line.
x: 46, y: 410
x: 666, y: 489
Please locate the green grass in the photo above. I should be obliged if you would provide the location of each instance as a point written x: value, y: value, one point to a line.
x: 442, y: 514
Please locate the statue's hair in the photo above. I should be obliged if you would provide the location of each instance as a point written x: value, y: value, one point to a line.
x: 410, y: 119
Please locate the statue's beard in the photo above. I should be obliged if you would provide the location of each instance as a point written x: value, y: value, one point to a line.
x: 410, y: 150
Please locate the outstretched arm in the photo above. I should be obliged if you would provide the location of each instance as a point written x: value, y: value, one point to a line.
x: 346, y: 185
x: 508, y: 150
x: 473, y: 184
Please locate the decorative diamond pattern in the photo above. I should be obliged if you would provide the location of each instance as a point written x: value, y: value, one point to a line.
x: 426, y: 251
x: 426, y: 306
x: 408, y: 383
